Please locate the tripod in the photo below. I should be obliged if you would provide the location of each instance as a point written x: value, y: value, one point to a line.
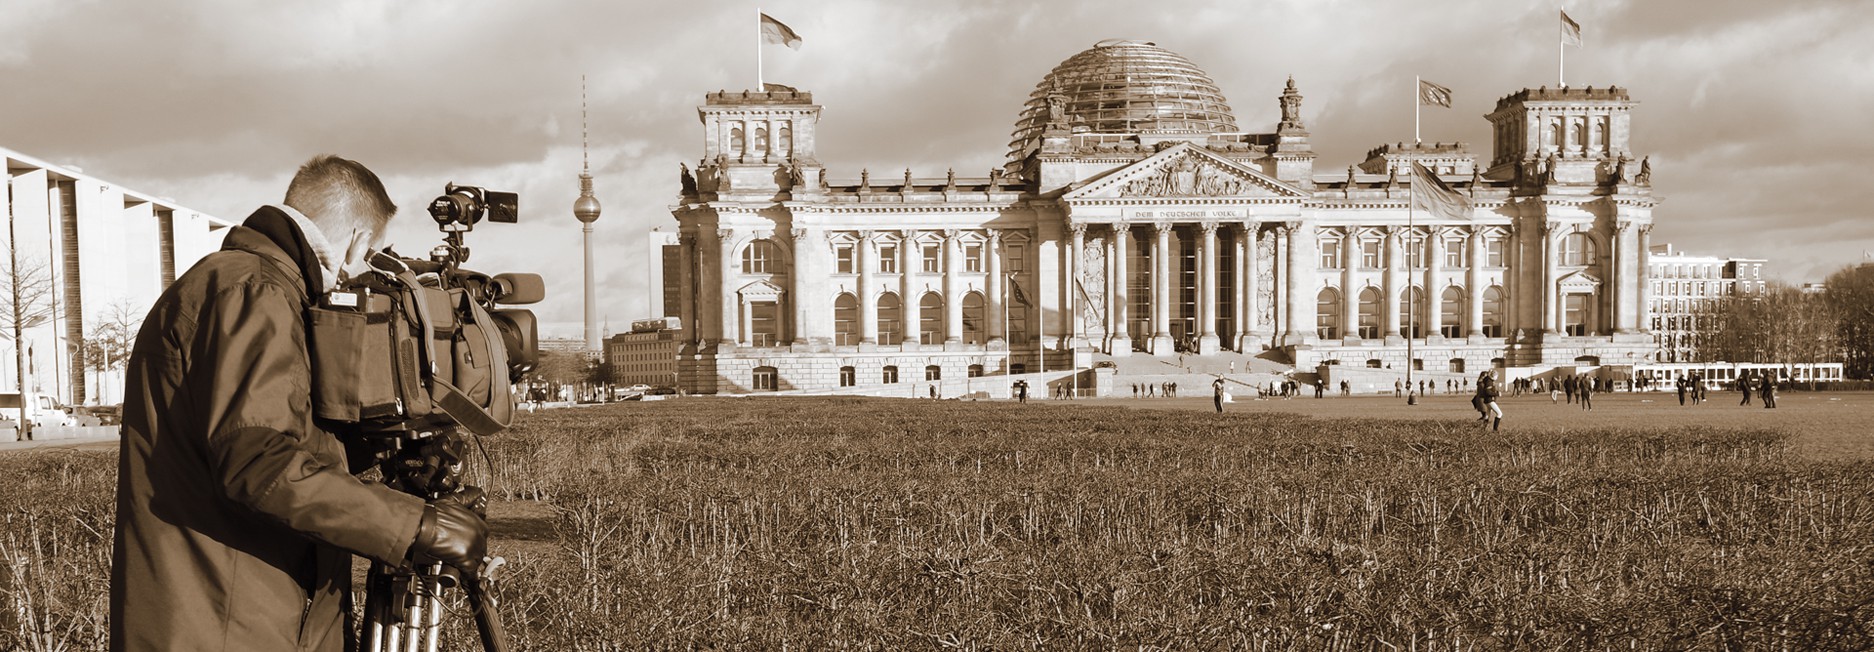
x: 403, y: 607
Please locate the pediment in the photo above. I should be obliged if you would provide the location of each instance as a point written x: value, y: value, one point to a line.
x: 1185, y: 171
x: 760, y: 291
x: 1579, y: 282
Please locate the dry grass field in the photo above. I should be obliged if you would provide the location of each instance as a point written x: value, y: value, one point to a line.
x: 1356, y: 524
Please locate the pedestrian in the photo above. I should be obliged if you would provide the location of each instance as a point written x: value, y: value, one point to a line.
x: 1487, y: 386
x: 1768, y: 390
x: 1021, y: 391
x: 1216, y: 394
x: 1320, y: 388
x: 1679, y: 385
x: 1744, y: 384
x: 1587, y: 394
x: 237, y: 516
x: 1568, y: 388
x: 933, y: 391
x: 1477, y: 398
x: 1397, y: 390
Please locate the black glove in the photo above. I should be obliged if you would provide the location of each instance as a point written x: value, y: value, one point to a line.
x: 453, y: 535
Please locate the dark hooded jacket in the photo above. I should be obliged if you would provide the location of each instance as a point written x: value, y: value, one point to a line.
x: 236, y: 516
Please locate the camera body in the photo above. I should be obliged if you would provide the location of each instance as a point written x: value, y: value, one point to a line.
x: 418, y: 345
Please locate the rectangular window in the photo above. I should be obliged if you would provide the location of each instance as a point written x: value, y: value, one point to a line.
x: 843, y: 254
x: 1330, y: 254
x: 889, y: 375
x: 933, y: 259
x: 764, y: 320
x: 1454, y: 253
x: 1012, y: 260
x: 1415, y: 253
x: 1493, y: 249
x: 888, y: 259
x: 848, y: 377
x: 1370, y: 253
x: 972, y: 258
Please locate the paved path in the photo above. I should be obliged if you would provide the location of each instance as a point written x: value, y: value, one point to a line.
x: 80, y: 443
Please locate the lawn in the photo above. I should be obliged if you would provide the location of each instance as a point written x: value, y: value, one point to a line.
x: 828, y: 523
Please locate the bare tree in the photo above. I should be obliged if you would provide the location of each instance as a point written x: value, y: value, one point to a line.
x: 1850, y: 296
x: 1779, y: 325
x: 113, y: 333
x: 25, y: 302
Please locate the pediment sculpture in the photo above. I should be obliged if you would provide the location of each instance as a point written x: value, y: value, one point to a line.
x: 1187, y: 177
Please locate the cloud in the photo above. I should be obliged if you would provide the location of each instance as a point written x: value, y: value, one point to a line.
x: 1750, y: 110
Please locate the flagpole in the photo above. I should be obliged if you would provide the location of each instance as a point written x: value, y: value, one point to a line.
x: 760, y: 84
x: 1008, y: 351
x: 1417, y: 88
x: 1561, y: 56
x: 1411, y: 297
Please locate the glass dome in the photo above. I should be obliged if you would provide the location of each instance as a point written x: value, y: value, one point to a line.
x: 1125, y: 87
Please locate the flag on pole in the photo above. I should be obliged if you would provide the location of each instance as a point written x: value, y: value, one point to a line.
x: 1431, y: 94
x: 1571, y: 30
x: 1015, y: 290
x: 1435, y: 197
x: 772, y: 31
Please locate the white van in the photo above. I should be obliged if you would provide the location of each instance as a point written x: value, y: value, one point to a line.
x: 44, y: 411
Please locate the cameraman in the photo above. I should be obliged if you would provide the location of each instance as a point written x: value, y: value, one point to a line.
x: 236, y: 516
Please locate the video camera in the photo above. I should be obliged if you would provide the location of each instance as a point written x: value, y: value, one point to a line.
x: 418, y: 345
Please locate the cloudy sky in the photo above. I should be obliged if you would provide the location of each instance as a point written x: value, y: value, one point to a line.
x: 1755, y: 113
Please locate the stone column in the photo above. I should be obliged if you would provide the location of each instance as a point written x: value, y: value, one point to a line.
x: 1161, y: 290
x: 1627, y: 279
x: 1122, y: 294
x: 1302, y: 259
x: 728, y: 305
x: 1551, y: 303
x: 806, y: 310
x: 909, y: 253
x: 1394, y: 277
x: 1239, y: 300
x: 1251, y: 287
x: 996, y: 288
x: 1350, y: 283
x: 1474, y: 284
x: 867, y: 259
x: 1278, y: 305
x: 1074, y: 328
x: 1207, y: 290
x: 686, y: 288
x: 1643, y: 318
x: 953, y: 287
x: 1433, y: 250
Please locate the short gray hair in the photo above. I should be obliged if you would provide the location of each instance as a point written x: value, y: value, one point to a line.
x: 338, y: 193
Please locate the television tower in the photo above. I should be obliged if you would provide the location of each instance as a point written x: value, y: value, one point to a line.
x: 586, y: 208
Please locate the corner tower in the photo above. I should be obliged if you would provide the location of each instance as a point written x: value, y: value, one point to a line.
x: 758, y: 144
x: 1565, y: 134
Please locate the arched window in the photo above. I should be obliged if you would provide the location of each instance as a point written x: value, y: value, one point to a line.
x: 890, y: 320
x: 1369, y: 313
x: 766, y: 379
x: 973, y: 318
x: 1411, y: 305
x: 735, y: 142
x: 846, y: 320
x: 784, y: 141
x: 930, y: 312
x: 1451, y: 312
x: 1327, y: 314
x: 761, y: 141
x: 1493, y: 312
x: 1577, y: 250
x: 889, y: 375
x: 761, y: 257
x: 933, y: 372
x: 848, y: 376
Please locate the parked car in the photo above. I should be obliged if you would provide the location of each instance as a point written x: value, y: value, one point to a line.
x: 95, y: 415
x: 44, y: 411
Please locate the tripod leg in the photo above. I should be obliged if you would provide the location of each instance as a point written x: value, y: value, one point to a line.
x: 487, y: 622
x: 433, y: 627
x: 412, y: 624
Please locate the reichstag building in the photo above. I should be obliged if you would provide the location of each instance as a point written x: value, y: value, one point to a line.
x: 1135, y: 217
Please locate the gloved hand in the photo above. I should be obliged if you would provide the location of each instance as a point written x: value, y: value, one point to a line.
x: 453, y: 535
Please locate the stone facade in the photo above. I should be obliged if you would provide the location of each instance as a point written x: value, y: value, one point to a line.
x: 1157, y: 240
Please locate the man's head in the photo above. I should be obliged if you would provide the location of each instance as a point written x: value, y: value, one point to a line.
x: 345, y: 199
